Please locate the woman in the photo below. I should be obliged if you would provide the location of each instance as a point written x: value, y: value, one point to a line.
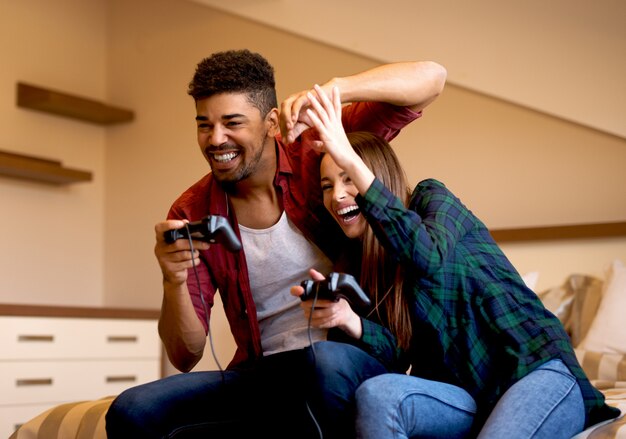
x: 486, y: 357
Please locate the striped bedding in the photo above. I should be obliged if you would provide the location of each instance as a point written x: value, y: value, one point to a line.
x: 76, y: 420
x: 608, y: 373
x: 615, y: 429
x: 85, y: 420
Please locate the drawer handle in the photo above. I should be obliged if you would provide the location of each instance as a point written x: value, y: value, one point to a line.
x: 34, y: 382
x: 122, y: 339
x: 122, y: 379
x: 35, y: 338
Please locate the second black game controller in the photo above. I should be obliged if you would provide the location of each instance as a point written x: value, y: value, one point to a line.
x: 213, y: 228
x: 334, y: 287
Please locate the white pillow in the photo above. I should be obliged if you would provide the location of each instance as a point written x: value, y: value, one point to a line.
x: 608, y: 329
x: 530, y: 279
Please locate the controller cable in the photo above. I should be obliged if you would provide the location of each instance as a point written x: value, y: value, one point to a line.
x: 312, y: 346
x: 378, y: 302
x: 207, y: 320
x: 204, y: 306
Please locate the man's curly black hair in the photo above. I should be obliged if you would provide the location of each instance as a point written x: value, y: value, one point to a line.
x: 236, y: 71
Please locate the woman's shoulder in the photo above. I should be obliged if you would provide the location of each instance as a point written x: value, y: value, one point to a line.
x: 432, y: 194
x: 429, y: 185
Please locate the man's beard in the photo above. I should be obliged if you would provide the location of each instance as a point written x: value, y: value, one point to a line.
x: 229, y: 182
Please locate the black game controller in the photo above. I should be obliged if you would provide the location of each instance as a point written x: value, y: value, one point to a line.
x: 334, y: 287
x: 213, y: 229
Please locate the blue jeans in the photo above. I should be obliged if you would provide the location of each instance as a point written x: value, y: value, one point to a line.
x: 546, y: 403
x: 271, y: 400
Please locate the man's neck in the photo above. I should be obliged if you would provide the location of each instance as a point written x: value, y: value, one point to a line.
x: 254, y: 199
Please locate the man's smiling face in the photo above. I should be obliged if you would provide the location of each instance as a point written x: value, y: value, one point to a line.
x: 232, y: 135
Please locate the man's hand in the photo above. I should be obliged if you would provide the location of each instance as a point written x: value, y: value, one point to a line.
x: 175, y: 258
x: 294, y: 119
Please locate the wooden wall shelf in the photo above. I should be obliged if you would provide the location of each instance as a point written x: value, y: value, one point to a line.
x: 39, y: 169
x: 63, y: 104
x: 572, y: 231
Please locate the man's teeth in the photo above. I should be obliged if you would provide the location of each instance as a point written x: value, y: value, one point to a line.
x: 224, y: 157
x: 346, y: 210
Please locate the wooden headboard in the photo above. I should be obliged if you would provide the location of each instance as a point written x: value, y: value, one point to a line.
x: 573, y: 231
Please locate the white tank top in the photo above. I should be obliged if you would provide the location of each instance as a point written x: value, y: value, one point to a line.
x: 278, y: 258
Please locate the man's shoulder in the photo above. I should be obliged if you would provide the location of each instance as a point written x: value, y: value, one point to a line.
x: 195, y: 201
x: 299, y: 156
x: 200, y: 188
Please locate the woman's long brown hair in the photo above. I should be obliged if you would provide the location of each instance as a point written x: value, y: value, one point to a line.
x: 380, y: 273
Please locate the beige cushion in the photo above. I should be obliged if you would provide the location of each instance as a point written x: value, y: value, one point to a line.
x: 608, y: 330
x: 602, y: 366
x: 575, y: 303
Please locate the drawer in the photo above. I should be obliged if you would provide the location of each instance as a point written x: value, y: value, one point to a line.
x: 12, y: 417
x: 36, y: 382
x: 25, y: 338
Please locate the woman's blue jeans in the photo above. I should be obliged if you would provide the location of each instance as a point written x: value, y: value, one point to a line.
x: 272, y: 400
x: 546, y: 403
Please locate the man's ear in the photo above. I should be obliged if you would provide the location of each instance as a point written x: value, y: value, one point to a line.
x: 272, y: 121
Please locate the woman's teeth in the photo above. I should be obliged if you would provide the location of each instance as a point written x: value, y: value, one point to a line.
x: 347, y: 210
x: 347, y: 214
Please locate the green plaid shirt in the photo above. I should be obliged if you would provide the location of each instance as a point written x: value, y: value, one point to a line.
x: 476, y: 324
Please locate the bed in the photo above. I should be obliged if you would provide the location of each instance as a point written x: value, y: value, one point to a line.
x: 591, y: 308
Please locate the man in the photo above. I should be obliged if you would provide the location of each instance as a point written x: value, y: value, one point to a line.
x: 268, y: 188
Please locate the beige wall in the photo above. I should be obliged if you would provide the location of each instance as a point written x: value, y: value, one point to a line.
x: 560, y: 57
x: 92, y: 243
x: 53, y: 237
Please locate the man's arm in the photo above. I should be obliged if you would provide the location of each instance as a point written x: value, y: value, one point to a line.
x: 181, y: 331
x: 407, y: 84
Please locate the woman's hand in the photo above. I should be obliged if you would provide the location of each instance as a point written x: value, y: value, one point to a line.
x: 325, y: 115
x: 294, y: 119
x: 329, y: 314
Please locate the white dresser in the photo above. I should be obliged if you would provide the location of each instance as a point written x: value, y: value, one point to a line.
x: 52, y: 355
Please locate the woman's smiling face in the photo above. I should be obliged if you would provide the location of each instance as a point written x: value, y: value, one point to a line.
x: 339, y: 198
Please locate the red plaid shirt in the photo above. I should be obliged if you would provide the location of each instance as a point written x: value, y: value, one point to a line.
x: 297, y: 183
